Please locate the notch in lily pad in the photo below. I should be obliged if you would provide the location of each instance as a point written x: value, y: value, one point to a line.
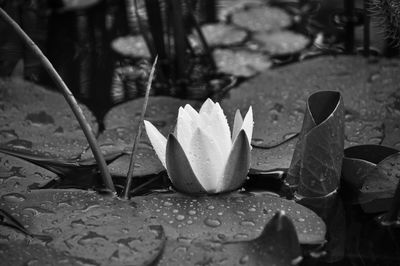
x: 317, y: 160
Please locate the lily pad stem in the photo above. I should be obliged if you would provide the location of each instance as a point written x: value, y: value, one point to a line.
x: 69, y: 97
x: 138, y: 133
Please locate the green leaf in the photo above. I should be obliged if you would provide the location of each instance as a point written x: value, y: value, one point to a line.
x: 231, y: 216
x: 277, y: 245
x: 373, y: 171
x: 89, y: 228
x: 317, y: 160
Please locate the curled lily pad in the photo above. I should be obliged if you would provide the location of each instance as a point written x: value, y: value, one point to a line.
x: 232, y: 216
x: 276, y: 245
x: 317, y: 160
x: 374, y: 172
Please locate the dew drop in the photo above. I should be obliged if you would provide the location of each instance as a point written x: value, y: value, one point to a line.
x: 13, y: 197
x: 212, y: 222
x: 180, y: 217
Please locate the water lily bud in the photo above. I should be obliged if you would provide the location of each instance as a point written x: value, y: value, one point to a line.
x: 201, y: 155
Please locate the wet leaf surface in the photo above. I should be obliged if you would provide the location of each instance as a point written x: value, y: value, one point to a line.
x: 120, y: 141
x: 17, y: 175
x: 240, y: 62
x: 232, y: 216
x: 317, y: 160
x: 281, y: 42
x: 277, y: 245
x: 279, y: 95
x: 92, y: 228
x: 262, y: 18
x: 374, y: 172
x: 40, y: 120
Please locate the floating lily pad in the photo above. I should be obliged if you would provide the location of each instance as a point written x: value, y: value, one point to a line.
x: 240, y: 62
x: 374, y: 172
x: 40, y: 120
x: 277, y: 245
x: 162, y: 112
x: 132, y: 46
x: 317, y: 160
x: 103, y: 231
x: 220, y: 34
x: 120, y: 140
x: 279, y: 96
x: 281, y: 42
x: 262, y: 18
x: 17, y: 175
x: 228, y: 217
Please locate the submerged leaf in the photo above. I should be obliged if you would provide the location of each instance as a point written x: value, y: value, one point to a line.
x: 317, y: 159
x: 374, y: 172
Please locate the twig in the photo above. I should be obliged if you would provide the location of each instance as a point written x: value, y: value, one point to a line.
x: 138, y: 133
x: 69, y: 97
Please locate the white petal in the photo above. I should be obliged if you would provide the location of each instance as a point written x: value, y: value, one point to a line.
x: 158, y: 141
x: 237, y: 125
x: 248, y: 124
x: 185, y: 128
x: 215, y: 125
x: 207, y: 107
x: 206, y: 160
x: 192, y: 112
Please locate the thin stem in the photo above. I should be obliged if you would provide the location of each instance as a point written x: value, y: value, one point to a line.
x: 366, y: 36
x: 69, y: 97
x: 138, y: 133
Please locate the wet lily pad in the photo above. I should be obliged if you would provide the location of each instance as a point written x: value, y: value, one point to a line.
x: 262, y: 18
x: 120, y: 140
x: 279, y: 96
x: 131, y: 46
x: 90, y: 228
x: 281, y: 42
x: 317, y: 160
x: 40, y: 120
x: 220, y: 34
x: 161, y: 112
x: 276, y: 245
x: 374, y: 172
x: 240, y: 62
x: 231, y: 216
x: 17, y: 175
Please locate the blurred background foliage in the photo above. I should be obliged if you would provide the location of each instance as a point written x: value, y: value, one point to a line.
x: 76, y: 35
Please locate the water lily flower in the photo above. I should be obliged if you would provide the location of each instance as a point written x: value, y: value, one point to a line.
x: 201, y: 155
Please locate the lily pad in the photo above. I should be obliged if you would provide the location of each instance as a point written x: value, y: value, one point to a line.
x: 17, y: 175
x: 120, y: 141
x: 276, y: 245
x: 317, y: 160
x: 103, y: 231
x: 131, y: 46
x: 262, y: 18
x: 232, y: 216
x: 161, y: 112
x: 281, y: 42
x: 40, y: 120
x: 279, y: 96
x: 240, y: 62
x: 374, y: 172
x: 220, y: 34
